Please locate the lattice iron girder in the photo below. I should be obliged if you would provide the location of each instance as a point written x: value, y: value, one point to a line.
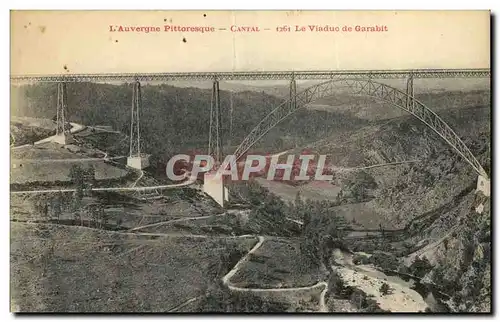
x: 394, y: 97
x: 135, y: 135
x: 212, y: 122
x: 262, y: 75
x: 293, y: 93
x: 365, y: 88
x: 215, y: 133
x: 62, y: 126
x: 409, y: 91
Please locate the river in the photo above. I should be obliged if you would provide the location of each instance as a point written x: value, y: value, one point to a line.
x: 407, y: 294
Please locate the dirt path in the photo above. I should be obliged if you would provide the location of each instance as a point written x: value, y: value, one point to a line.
x: 177, y: 220
x: 75, y: 128
x: 344, y: 169
x: 149, y: 188
x: 78, y: 128
x: 322, y: 301
x: 176, y: 234
x: 227, y: 277
x: 65, y: 160
x: 427, y: 250
x: 20, y: 146
x: 180, y: 306
x: 231, y: 273
x: 138, y: 179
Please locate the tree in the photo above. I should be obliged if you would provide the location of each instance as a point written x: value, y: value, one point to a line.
x: 119, y: 221
x: 358, y: 298
x: 278, y: 143
x: 95, y: 213
x: 269, y: 215
x: 57, y: 206
x: 77, y: 199
x: 322, y: 231
x: 298, y: 200
x: 386, y: 261
x: 42, y: 208
x: 77, y: 218
x: 336, y: 285
x: 90, y: 175
x: 104, y: 216
x: 420, y: 267
x: 384, y: 243
x: 82, y: 178
x: 255, y: 192
x: 76, y: 175
x: 385, y: 289
x: 359, y: 186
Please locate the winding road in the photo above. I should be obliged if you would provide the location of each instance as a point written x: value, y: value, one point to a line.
x: 65, y: 160
x: 226, y: 278
x: 244, y: 259
x: 121, y: 189
x: 138, y: 179
x: 403, y: 299
x: 176, y: 220
x: 379, y: 165
x: 75, y: 128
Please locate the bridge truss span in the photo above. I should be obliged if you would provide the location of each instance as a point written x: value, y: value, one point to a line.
x: 254, y: 75
x: 362, y: 87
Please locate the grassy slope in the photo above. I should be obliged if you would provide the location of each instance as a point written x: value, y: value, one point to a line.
x: 178, y: 118
x: 58, y: 268
x: 407, y: 191
x: 402, y: 138
x: 32, y: 171
x: 276, y: 265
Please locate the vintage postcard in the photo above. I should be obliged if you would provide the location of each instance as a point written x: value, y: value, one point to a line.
x: 250, y: 161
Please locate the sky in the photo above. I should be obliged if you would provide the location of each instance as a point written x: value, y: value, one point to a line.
x: 55, y: 42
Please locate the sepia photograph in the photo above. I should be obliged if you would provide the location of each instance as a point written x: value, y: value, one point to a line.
x: 250, y: 162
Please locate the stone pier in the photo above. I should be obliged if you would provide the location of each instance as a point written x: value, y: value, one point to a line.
x: 138, y: 162
x: 483, y: 185
x: 214, y: 187
x: 62, y: 139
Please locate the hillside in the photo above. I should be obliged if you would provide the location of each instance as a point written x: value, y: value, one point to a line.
x: 177, y: 119
x: 370, y: 109
x: 431, y: 203
x: 437, y: 175
x: 349, y: 244
x: 405, y: 138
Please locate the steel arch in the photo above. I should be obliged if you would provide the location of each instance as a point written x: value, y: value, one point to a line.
x: 366, y: 87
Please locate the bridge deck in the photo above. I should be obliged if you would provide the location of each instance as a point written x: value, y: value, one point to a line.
x: 256, y: 75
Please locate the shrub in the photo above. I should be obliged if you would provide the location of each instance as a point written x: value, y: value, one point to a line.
x: 364, y: 302
x: 385, y: 261
x: 336, y: 285
x: 359, y: 259
x: 385, y: 289
x: 420, y: 267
